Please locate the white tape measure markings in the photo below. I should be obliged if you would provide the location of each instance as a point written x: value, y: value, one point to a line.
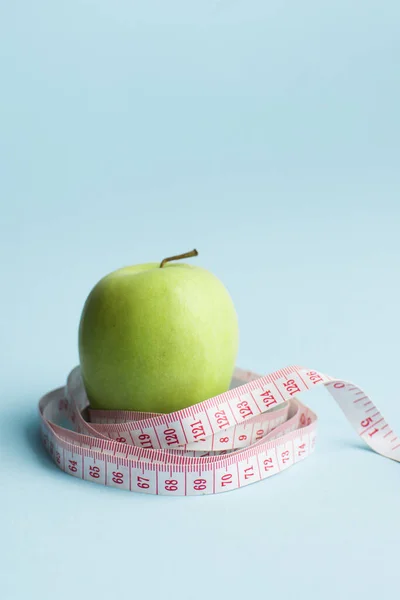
x: 245, y: 435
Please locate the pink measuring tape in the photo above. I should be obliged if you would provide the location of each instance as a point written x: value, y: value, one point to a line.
x: 245, y: 435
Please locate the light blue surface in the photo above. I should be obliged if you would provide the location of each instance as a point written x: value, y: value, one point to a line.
x: 266, y: 134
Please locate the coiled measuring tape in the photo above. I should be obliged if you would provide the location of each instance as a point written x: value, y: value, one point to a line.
x: 247, y: 434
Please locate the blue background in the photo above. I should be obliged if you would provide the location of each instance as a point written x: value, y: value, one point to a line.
x: 266, y: 134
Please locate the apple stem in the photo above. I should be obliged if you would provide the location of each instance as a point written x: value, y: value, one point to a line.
x: 178, y: 257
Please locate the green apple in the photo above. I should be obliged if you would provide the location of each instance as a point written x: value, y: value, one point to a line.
x: 157, y: 337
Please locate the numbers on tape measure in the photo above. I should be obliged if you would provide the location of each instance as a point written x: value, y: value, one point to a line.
x: 222, y: 419
x: 268, y: 464
x: 171, y: 437
x: 291, y: 386
x: 248, y: 473
x: 199, y: 484
x: 145, y: 440
x: 210, y: 476
x: 314, y: 376
x: 94, y: 471
x: 198, y: 431
x: 171, y: 485
x: 118, y: 477
x: 301, y: 450
x: 143, y: 482
x: 244, y: 409
x: 226, y: 479
x: 268, y: 398
x: 72, y: 466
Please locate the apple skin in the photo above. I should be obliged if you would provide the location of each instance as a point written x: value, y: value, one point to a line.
x: 157, y: 339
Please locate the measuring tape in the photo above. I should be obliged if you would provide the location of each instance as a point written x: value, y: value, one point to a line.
x: 247, y: 434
